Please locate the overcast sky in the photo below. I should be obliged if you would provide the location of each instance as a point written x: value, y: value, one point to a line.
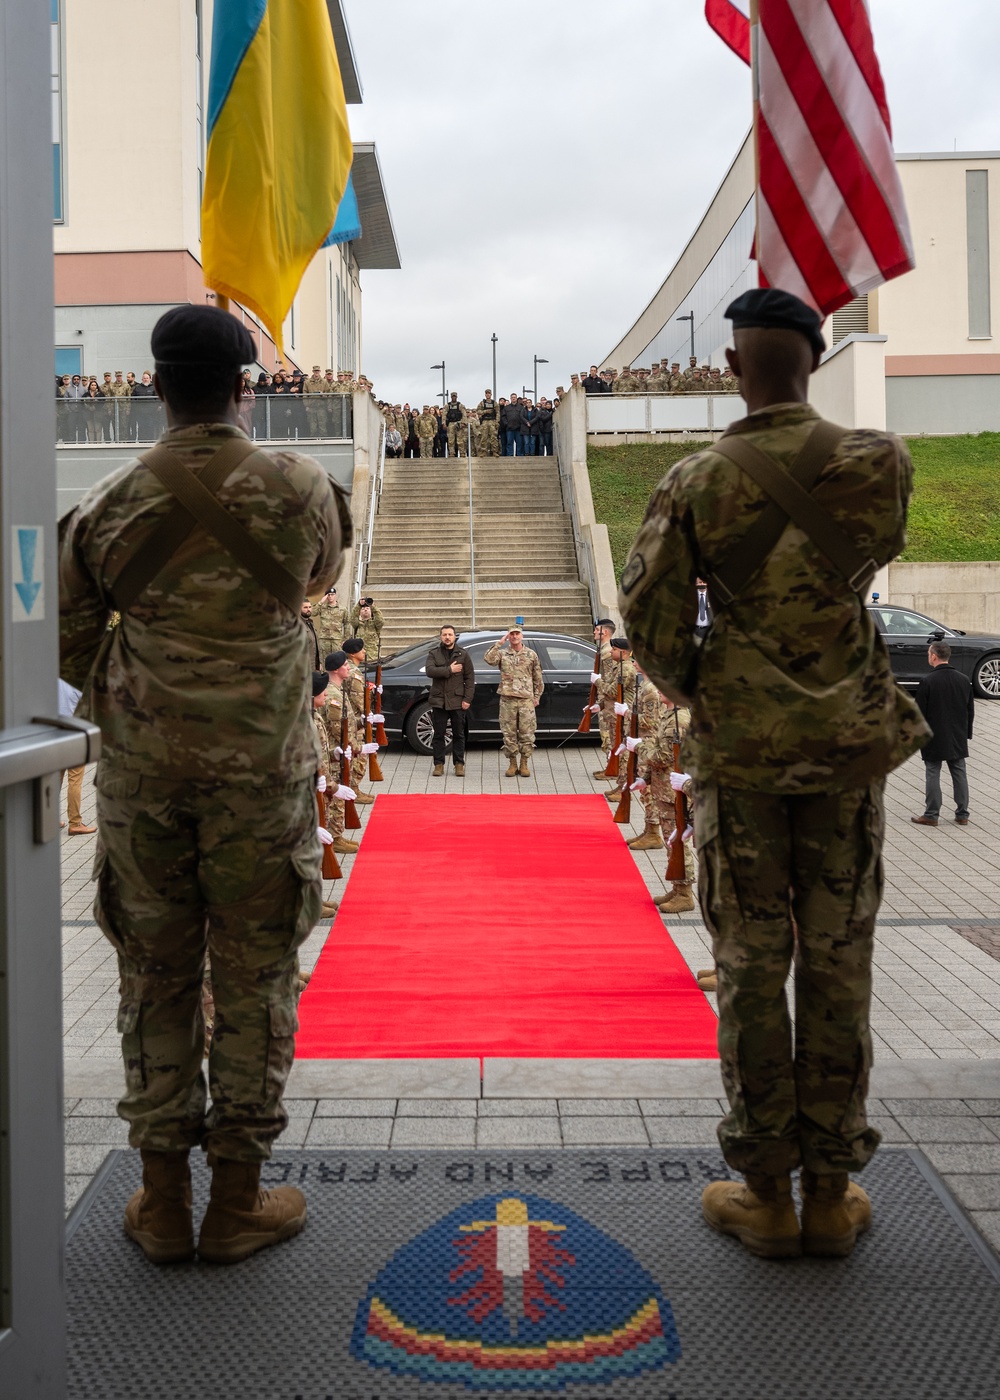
x: 546, y: 161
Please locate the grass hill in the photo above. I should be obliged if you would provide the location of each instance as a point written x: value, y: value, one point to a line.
x: 954, y: 514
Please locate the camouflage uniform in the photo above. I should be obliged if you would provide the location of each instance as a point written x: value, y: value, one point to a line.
x: 656, y: 761
x: 316, y: 389
x: 607, y: 694
x: 369, y: 631
x: 332, y: 712
x: 626, y: 383
x: 489, y: 416
x: 329, y: 620
x: 354, y: 694
x: 205, y: 789
x: 456, y: 429
x: 427, y: 426
x: 795, y: 721
x: 521, y: 686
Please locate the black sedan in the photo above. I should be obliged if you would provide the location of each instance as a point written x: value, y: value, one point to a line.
x: 907, y: 635
x: 566, y: 662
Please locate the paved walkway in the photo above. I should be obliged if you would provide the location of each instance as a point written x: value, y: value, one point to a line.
x: 935, y: 1016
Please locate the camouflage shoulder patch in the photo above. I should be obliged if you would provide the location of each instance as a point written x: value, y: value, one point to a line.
x: 634, y: 571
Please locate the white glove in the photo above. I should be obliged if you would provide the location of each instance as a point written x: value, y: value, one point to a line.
x: 344, y: 794
x: 321, y: 783
x: 369, y: 748
x: 338, y: 752
x: 594, y: 709
x: 677, y: 781
x: 377, y: 719
x: 686, y: 835
x: 621, y: 749
x: 632, y: 744
x: 620, y: 708
x: 324, y: 836
x: 348, y: 753
x: 378, y: 689
x: 595, y: 676
x: 639, y: 785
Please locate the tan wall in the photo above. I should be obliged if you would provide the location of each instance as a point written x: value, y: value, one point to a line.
x: 849, y: 386
x: 131, y: 151
x: 965, y: 596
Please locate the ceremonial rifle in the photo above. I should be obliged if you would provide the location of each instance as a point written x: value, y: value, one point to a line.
x: 623, y: 812
x: 331, y: 865
x: 675, y: 861
x: 380, y: 727
x: 612, y: 769
x: 351, y: 819
x: 374, y: 771
x: 588, y: 714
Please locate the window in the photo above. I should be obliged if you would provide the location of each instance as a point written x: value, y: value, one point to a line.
x: 570, y: 656
x: 899, y: 623
x: 69, y: 359
x: 977, y: 232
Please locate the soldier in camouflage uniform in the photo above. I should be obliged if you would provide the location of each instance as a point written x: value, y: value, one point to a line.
x: 795, y: 721
x: 456, y: 420
x: 604, y: 630
x: 206, y: 803
x: 366, y: 621
x: 329, y: 620
x: 661, y: 725
x: 325, y: 782
x: 354, y: 695
x: 489, y: 418
x: 338, y: 671
x: 675, y: 381
x: 619, y: 667
x: 427, y: 426
x: 521, y: 687
x: 626, y: 383
x: 315, y: 389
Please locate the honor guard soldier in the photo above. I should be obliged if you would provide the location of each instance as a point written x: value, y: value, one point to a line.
x: 604, y: 630
x: 619, y: 671
x: 354, y: 694
x: 521, y: 687
x: 325, y: 781
x: 456, y: 421
x: 489, y: 414
x: 795, y: 722
x: 207, y: 823
x: 338, y: 671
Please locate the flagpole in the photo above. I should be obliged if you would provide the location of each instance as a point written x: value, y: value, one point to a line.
x: 755, y: 92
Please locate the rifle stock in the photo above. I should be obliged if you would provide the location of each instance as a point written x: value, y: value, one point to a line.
x: 351, y: 819
x: 584, y: 726
x: 379, y: 728
x: 623, y: 812
x: 613, y: 767
x: 331, y: 865
x: 675, y: 861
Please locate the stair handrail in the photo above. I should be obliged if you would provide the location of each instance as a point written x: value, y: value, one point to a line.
x: 374, y: 502
x: 472, y: 545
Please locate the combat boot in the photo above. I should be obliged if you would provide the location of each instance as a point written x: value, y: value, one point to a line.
x: 650, y: 840
x: 242, y: 1218
x: 524, y: 771
x: 512, y: 767
x: 598, y: 773
x: 363, y: 799
x: 459, y: 770
x: 760, y: 1214
x: 708, y: 980
x: 614, y: 794
x: 343, y: 847
x: 330, y: 907
x: 438, y: 771
x: 835, y: 1211
x: 678, y: 901
x: 158, y: 1217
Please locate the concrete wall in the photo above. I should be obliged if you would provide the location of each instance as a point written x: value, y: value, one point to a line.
x: 849, y: 386
x: 570, y: 424
x: 966, y: 596
x: 946, y: 403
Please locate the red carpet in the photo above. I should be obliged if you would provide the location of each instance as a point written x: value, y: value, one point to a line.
x: 500, y: 926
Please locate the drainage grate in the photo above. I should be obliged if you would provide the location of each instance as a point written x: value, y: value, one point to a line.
x: 584, y: 1273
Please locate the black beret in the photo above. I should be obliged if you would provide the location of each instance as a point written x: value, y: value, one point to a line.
x: 605, y: 622
x: 621, y: 643
x: 201, y: 335
x: 353, y: 645
x: 335, y: 660
x: 320, y: 682
x: 774, y: 310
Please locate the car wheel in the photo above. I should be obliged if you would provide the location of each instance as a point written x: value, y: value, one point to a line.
x: 420, y: 731
x: 986, y: 677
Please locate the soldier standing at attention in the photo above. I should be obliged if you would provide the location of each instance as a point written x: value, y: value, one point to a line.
x: 207, y: 822
x: 329, y: 620
x: 366, y: 621
x: 620, y: 668
x: 427, y: 426
x: 675, y: 380
x: 795, y: 721
x: 626, y: 383
x: 521, y: 687
x: 604, y: 630
x: 315, y: 389
x: 692, y: 366
x: 326, y: 782
x: 338, y: 670
x: 488, y: 420
x: 455, y: 420
x: 354, y: 694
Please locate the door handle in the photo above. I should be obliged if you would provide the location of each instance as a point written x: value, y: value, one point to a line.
x: 561, y: 685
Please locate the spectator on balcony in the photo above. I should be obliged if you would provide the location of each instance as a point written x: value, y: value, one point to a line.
x: 393, y: 442
x: 509, y: 425
x: 594, y: 384
x: 526, y: 428
x: 543, y: 428
x: 626, y: 382
x: 95, y: 414
x: 146, y: 424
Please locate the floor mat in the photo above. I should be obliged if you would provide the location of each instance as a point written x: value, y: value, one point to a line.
x: 500, y: 926
x: 584, y: 1273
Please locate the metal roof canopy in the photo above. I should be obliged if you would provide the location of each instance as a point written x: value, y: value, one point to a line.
x: 353, y: 91
x: 377, y: 245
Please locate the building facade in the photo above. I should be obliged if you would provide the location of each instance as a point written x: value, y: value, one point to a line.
x: 129, y: 94
x: 937, y: 323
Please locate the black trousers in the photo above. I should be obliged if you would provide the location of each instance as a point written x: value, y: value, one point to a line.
x: 439, y: 719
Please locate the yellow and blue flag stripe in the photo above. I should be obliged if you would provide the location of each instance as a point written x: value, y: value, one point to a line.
x: 277, y: 176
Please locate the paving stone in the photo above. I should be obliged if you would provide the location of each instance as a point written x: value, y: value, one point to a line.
x: 518, y: 1132
x: 988, y: 1221
x: 349, y: 1132
x: 300, y: 1108
x: 84, y: 1159
x: 893, y: 1132
x: 518, y: 1108
x: 963, y: 1157
x: 434, y: 1132
x: 96, y: 1108
x: 74, y: 1189
x: 112, y: 1132
x: 681, y: 1108
x: 928, y: 1108
x: 975, y: 1192
x: 683, y: 1132
x: 601, y: 1132
x: 948, y: 1129
x: 599, y: 1108
x: 984, y: 1107
x: 436, y: 1108
x: 356, y: 1108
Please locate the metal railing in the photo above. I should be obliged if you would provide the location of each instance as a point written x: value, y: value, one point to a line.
x: 472, y: 539
x: 374, y: 502
x: 663, y: 413
x: 266, y: 418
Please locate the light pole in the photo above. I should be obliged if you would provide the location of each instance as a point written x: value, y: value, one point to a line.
x: 689, y: 317
x: 493, y: 338
x: 444, y: 391
x: 538, y: 361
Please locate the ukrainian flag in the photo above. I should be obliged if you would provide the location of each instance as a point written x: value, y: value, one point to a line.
x: 279, y: 151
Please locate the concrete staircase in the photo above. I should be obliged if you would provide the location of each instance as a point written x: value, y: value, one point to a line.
x: 525, y: 560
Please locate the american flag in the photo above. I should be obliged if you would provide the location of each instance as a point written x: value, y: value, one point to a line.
x: 831, y: 219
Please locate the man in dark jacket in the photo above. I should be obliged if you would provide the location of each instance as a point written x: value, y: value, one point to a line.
x: 945, y: 698
x: 453, y: 684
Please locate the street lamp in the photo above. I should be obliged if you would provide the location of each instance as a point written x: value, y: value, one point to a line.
x: 689, y: 317
x: 538, y: 361
x: 444, y: 392
x: 493, y: 338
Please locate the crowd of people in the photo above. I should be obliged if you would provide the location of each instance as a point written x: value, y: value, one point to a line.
x: 662, y: 378
x: 513, y: 427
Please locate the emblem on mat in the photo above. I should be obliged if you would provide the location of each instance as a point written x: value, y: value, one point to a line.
x: 515, y: 1293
